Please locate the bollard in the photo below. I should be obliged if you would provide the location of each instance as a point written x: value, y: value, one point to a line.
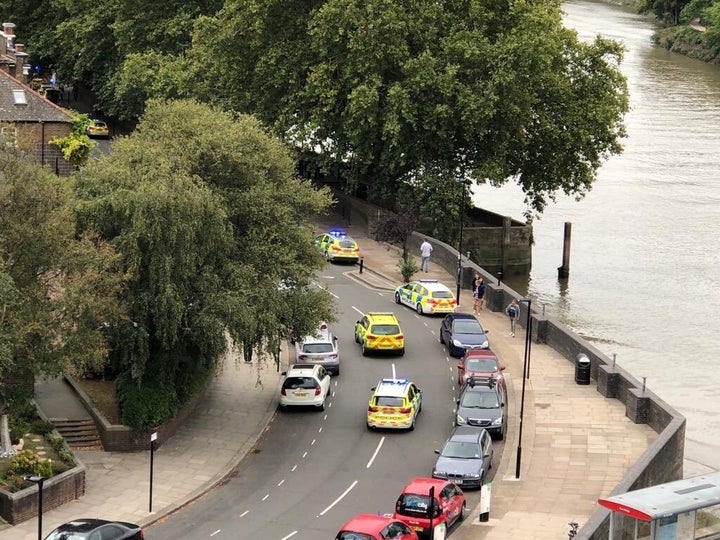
x: 485, y: 493
x: 361, y: 264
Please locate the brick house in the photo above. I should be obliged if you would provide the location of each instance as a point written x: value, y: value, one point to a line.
x: 28, y: 121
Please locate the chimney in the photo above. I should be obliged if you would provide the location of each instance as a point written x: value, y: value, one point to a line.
x: 9, y: 35
x: 21, y: 66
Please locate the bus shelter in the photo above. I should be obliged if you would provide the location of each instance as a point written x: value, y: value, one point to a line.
x: 686, y: 509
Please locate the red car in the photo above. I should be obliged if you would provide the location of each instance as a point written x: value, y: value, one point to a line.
x: 480, y: 363
x: 415, y: 507
x: 375, y: 527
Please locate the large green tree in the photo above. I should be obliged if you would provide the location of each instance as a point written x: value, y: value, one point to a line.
x: 499, y: 90
x: 213, y: 225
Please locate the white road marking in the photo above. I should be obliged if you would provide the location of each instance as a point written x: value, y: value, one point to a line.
x: 265, y: 497
x: 450, y: 368
x: 245, y: 513
x: 340, y: 498
x: 304, y: 455
x: 393, y: 370
x: 213, y: 534
x: 313, y: 442
x: 320, y: 430
x: 281, y: 482
x: 293, y: 469
x: 330, y: 404
x: 379, y: 446
x: 333, y: 394
x: 335, y: 295
x: 325, y: 417
x: 289, y: 535
x: 360, y: 312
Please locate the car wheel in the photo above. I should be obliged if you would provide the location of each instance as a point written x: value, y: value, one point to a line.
x: 322, y: 405
x: 412, y: 425
x: 397, y: 298
x: 501, y: 434
x: 419, y: 309
x: 357, y: 340
x: 363, y: 349
x: 327, y: 256
x: 371, y: 428
x: 442, y: 341
x: 420, y: 407
x: 337, y: 372
x: 463, y: 512
x: 401, y: 352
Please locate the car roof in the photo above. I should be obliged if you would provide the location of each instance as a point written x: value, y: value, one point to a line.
x: 433, y: 285
x: 466, y: 434
x: 421, y: 486
x: 481, y: 353
x: 392, y: 387
x: 481, y: 386
x: 302, y: 370
x: 367, y: 523
x: 82, y: 524
x: 458, y: 315
x: 379, y: 317
x: 322, y: 335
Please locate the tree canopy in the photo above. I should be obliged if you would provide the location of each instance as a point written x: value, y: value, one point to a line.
x: 212, y: 223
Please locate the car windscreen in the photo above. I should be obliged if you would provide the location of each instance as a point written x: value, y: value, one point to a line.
x: 315, y: 348
x: 442, y: 294
x: 461, y: 450
x: 385, y: 329
x: 467, y: 327
x: 65, y: 535
x: 483, y: 366
x: 347, y: 244
x: 479, y: 400
x: 349, y: 535
x: 384, y: 401
x: 296, y: 383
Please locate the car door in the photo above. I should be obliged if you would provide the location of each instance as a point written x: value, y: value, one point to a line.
x: 451, y: 503
x: 445, y: 329
x: 361, y: 329
x: 405, y: 294
x: 487, y: 451
x: 324, y: 377
x: 417, y: 398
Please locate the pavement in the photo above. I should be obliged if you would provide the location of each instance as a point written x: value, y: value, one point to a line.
x: 576, y: 445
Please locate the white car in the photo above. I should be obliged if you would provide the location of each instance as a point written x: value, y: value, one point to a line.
x: 305, y: 385
x: 321, y: 349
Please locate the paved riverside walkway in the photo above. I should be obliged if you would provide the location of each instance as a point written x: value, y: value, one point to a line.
x: 576, y: 445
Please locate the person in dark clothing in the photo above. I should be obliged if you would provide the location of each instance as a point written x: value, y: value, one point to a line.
x: 513, y: 312
x: 478, y: 293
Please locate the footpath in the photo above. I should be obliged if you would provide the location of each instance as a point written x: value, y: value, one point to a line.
x: 576, y: 445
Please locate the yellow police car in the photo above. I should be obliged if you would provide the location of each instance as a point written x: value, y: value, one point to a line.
x: 426, y: 296
x: 379, y: 332
x: 337, y: 246
x: 394, y: 404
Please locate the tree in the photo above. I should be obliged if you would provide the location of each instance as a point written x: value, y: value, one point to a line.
x: 211, y: 219
x: 57, y: 288
x: 494, y: 90
x: 665, y: 10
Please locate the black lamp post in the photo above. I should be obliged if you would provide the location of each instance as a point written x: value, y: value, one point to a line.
x: 526, y: 375
x: 37, y: 479
x: 461, y: 209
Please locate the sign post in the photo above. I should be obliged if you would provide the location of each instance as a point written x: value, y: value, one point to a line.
x: 153, y: 438
x: 485, y: 493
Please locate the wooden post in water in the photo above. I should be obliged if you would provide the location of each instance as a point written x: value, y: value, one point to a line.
x: 564, y: 270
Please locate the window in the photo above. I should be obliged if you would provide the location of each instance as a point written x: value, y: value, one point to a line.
x: 385, y: 329
x: 9, y: 136
x: 383, y: 401
x: 313, y: 348
x: 19, y: 97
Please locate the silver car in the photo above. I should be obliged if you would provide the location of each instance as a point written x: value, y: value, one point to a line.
x: 320, y: 349
x: 466, y: 457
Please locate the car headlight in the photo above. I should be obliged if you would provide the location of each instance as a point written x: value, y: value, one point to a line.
x: 485, y: 344
x: 457, y: 343
x: 459, y: 420
x: 497, y: 421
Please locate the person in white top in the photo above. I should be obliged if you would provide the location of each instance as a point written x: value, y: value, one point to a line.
x: 425, y: 251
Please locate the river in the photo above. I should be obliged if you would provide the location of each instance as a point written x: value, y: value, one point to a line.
x: 645, y: 267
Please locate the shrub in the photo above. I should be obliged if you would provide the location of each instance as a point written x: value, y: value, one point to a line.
x: 57, y: 443
x: 408, y: 267
x: 28, y: 462
x: 145, y: 406
x: 41, y: 427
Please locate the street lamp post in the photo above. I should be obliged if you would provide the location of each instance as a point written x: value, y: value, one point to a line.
x: 461, y: 209
x: 526, y: 375
x: 37, y: 479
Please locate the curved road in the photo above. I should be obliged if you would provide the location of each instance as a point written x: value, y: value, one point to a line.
x: 312, y: 471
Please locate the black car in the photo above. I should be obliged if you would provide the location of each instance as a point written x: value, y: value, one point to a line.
x: 462, y: 331
x: 482, y: 404
x: 466, y: 457
x: 92, y: 529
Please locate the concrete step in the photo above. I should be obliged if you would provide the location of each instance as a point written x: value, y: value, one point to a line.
x: 78, y: 433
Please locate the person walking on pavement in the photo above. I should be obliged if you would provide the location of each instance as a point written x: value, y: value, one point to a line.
x: 425, y: 251
x: 478, y: 293
x: 513, y: 311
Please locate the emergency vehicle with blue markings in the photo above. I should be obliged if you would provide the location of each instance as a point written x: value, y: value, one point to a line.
x: 394, y: 404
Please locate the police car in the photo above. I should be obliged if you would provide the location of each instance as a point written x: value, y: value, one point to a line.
x: 394, y: 404
x: 379, y: 332
x: 337, y: 246
x: 426, y: 296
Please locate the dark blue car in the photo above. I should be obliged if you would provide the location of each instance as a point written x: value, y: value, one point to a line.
x: 462, y: 331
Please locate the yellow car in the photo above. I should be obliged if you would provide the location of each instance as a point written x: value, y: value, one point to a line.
x: 379, y: 332
x: 98, y: 128
x: 426, y: 296
x: 394, y: 404
x: 336, y: 245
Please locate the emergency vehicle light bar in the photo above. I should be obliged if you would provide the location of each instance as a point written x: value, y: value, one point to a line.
x: 394, y: 381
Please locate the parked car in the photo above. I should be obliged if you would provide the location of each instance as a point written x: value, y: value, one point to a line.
x: 415, y: 507
x: 375, y: 527
x: 482, y: 404
x: 465, y: 458
x: 462, y: 331
x: 96, y: 529
x: 320, y: 348
x: 480, y: 363
x: 305, y: 385
x: 426, y: 296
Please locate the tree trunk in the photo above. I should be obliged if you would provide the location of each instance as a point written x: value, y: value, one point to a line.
x: 6, y: 448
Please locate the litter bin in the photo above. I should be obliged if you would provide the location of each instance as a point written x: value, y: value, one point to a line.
x: 582, y: 369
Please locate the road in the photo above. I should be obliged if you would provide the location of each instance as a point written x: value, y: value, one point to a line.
x: 312, y: 471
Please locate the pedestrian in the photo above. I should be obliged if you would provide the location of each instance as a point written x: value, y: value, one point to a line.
x: 425, y: 251
x: 513, y: 311
x: 478, y: 293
